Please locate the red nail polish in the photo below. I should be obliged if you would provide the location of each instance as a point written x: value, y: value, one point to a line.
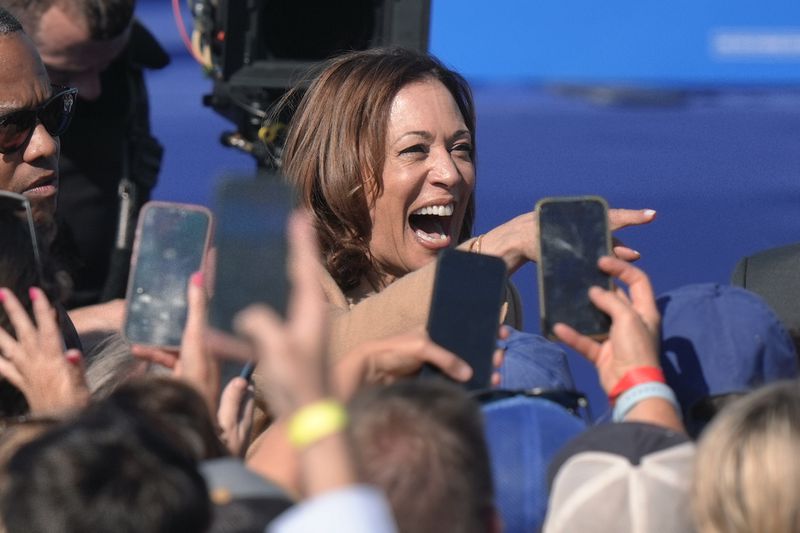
x: 2, y: 295
x: 197, y: 279
x: 33, y: 293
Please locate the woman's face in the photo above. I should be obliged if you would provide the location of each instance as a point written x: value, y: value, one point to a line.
x: 428, y: 177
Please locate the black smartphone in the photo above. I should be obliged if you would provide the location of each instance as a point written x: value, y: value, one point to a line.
x: 573, y: 235
x: 170, y: 245
x: 251, y: 246
x: 464, y: 317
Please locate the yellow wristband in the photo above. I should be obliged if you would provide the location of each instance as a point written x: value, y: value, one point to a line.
x: 315, y: 422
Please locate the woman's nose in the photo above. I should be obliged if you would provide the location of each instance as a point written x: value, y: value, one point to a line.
x: 444, y: 169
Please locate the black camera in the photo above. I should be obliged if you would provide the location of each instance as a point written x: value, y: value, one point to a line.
x: 256, y: 50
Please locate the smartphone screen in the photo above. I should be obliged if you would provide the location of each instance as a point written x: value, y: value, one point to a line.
x: 573, y: 235
x: 465, y: 310
x: 170, y: 245
x: 251, y: 246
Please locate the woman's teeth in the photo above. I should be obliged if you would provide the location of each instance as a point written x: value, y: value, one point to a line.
x: 430, y: 237
x: 438, y: 210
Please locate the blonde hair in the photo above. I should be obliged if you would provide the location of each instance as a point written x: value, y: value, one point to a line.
x: 747, y: 472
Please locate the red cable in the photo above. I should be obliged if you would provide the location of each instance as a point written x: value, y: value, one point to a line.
x: 176, y: 12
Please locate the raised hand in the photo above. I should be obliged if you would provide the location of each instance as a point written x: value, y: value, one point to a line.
x: 516, y: 241
x: 633, y: 338
x: 35, y: 362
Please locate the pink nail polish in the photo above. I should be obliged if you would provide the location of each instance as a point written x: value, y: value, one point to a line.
x: 197, y: 279
x: 2, y: 295
x: 33, y: 293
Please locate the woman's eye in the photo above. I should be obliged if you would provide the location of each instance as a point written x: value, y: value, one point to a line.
x: 462, y: 147
x: 417, y: 148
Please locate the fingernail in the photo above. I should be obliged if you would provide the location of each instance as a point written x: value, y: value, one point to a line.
x: 464, y: 372
x: 636, y: 252
x: 33, y: 293
x: 2, y: 295
x: 649, y: 212
x: 197, y: 279
x: 73, y: 356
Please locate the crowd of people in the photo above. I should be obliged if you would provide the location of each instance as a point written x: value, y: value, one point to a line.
x: 335, y: 431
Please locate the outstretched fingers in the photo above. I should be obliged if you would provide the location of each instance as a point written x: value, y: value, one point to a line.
x: 621, y: 218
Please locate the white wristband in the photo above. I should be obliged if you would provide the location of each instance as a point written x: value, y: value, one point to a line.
x: 652, y: 389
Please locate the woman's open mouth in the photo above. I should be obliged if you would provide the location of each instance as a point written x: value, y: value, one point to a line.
x: 431, y: 224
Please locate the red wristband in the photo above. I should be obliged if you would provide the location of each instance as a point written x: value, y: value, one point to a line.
x: 633, y: 377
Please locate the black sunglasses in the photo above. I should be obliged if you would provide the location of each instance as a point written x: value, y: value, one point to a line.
x: 16, y: 128
x: 573, y: 401
x: 21, y: 206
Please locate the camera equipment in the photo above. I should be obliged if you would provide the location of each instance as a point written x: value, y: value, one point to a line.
x: 258, y: 49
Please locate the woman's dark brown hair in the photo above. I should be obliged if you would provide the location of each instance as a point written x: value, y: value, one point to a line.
x: 336, y: 144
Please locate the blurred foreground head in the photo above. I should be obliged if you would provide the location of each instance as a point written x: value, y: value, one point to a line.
x: 422, y: 443
x: 748, y: 474
x: 103, y: 472
x: 623, y: 477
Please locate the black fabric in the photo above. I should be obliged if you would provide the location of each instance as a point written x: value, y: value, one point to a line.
x: 108, y: 139
x: 632, y: 440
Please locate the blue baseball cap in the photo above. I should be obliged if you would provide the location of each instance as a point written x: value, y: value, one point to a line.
x: 523, y: 434
x: 533, y: 362
x: 718, y: 340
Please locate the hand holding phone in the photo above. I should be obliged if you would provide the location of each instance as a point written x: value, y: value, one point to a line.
x: 465, y: 310
x: 170, y: 245
x: 573, y: 235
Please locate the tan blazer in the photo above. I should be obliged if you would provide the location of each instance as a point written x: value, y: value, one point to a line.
x: 401, y: 306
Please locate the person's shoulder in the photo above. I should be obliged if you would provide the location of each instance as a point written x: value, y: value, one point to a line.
x: 781, y: 253
x: 145, y: 49
x: 781, y: 261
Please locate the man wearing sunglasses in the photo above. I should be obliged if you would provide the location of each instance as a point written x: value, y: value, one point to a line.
x: 32, y: 115
x: 109, y: 159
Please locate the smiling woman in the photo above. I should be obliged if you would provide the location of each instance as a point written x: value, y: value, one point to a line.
x: 382, y: 151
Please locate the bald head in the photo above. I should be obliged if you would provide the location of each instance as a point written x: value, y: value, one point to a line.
x: 104, y: 19
x: 77, y: 39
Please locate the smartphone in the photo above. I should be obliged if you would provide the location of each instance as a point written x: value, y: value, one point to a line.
x: 170, y: 245
x: 573, y: 235
x: 464, y: 317
x: 251, y: 246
